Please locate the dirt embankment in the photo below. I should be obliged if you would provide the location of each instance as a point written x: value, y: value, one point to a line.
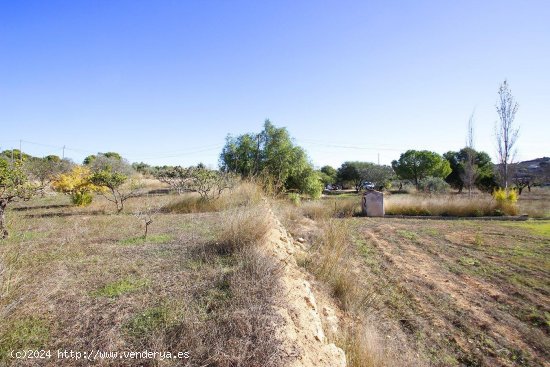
x: 304, y: 340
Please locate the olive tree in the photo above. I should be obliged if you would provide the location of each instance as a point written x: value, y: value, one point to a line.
x: 14, y: 186
x: 358, y: 173
x: 117, y: 177
x: 209, y: 184
x: 416, y: 165
x: 180, y: 179
x: 45, y: 170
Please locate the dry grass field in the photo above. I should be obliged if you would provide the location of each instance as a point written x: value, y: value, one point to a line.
x: 407, y: 292
x: 431, y: 292
x: 85, y: 279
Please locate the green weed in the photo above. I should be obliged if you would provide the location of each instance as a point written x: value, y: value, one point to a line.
x: 408, y: 235
x: 27, y: 333
x: 120, y: 287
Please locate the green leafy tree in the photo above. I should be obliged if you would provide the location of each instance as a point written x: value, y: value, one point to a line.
x: 89, y: 159
x: 329, y: 171
x: 273, y: 155
x: 416, y: 165
x: 455, y: 177
x: 324, y: 178
x: 116, y: 176
x: 45, y: 170
x: 348, y: 173
x: 328, y: 175
x: 242, y: 155
x: 482, y: 166
x: 14, y: 186
x: 358, y: 173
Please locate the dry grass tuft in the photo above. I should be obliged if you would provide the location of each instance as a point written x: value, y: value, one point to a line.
x: 332, y: 208
x: 330, y: 256
x: 447, y: 205
x: 362, y: 347
x: 243, y: 228
x: 239, y: 329
x: 365, y: 347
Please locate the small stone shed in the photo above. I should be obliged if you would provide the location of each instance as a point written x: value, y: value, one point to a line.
x: 372, y: 203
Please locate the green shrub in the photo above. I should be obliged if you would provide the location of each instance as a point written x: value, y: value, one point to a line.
x: 81, y: 198
x: 295, y: 198
x: 433, y: 185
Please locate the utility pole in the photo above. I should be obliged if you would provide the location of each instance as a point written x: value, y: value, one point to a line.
x: 378, y: 158
x: 20, y: 152
x: 63, y: 155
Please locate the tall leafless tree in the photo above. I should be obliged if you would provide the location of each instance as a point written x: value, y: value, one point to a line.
x: 505, y: 131
x: 470, y: 169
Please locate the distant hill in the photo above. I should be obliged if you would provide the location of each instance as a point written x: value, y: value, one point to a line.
x: 537, y: 171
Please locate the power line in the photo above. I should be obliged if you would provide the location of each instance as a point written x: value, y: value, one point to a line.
x: 159, y: 155
x: 330, y: 145
x: 181, y: 154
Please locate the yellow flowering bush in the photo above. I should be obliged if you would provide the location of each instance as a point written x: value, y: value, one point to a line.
x: 78, y: 185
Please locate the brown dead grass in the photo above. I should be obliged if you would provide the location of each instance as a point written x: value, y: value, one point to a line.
x: 76, y: 278
x: 331, y: 208
x: 242, y: 229
x: 535, y: 203
x: 243, y: 195
x: 447, y: 205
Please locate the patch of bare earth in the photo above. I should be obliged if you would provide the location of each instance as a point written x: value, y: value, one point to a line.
x: 466, y: 293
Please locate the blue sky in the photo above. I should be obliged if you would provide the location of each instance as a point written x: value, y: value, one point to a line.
x: 165, y: 81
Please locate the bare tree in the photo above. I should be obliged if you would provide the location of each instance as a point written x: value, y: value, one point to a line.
x: 179, y: 178
x: 470, y: 169
x: 208, y: 183
x: 505, y: 132
x: 147, y: 212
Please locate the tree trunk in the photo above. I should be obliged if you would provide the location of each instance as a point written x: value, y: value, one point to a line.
x: 506, y: 176
x: 3, y: 229
x: 147, y: 223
